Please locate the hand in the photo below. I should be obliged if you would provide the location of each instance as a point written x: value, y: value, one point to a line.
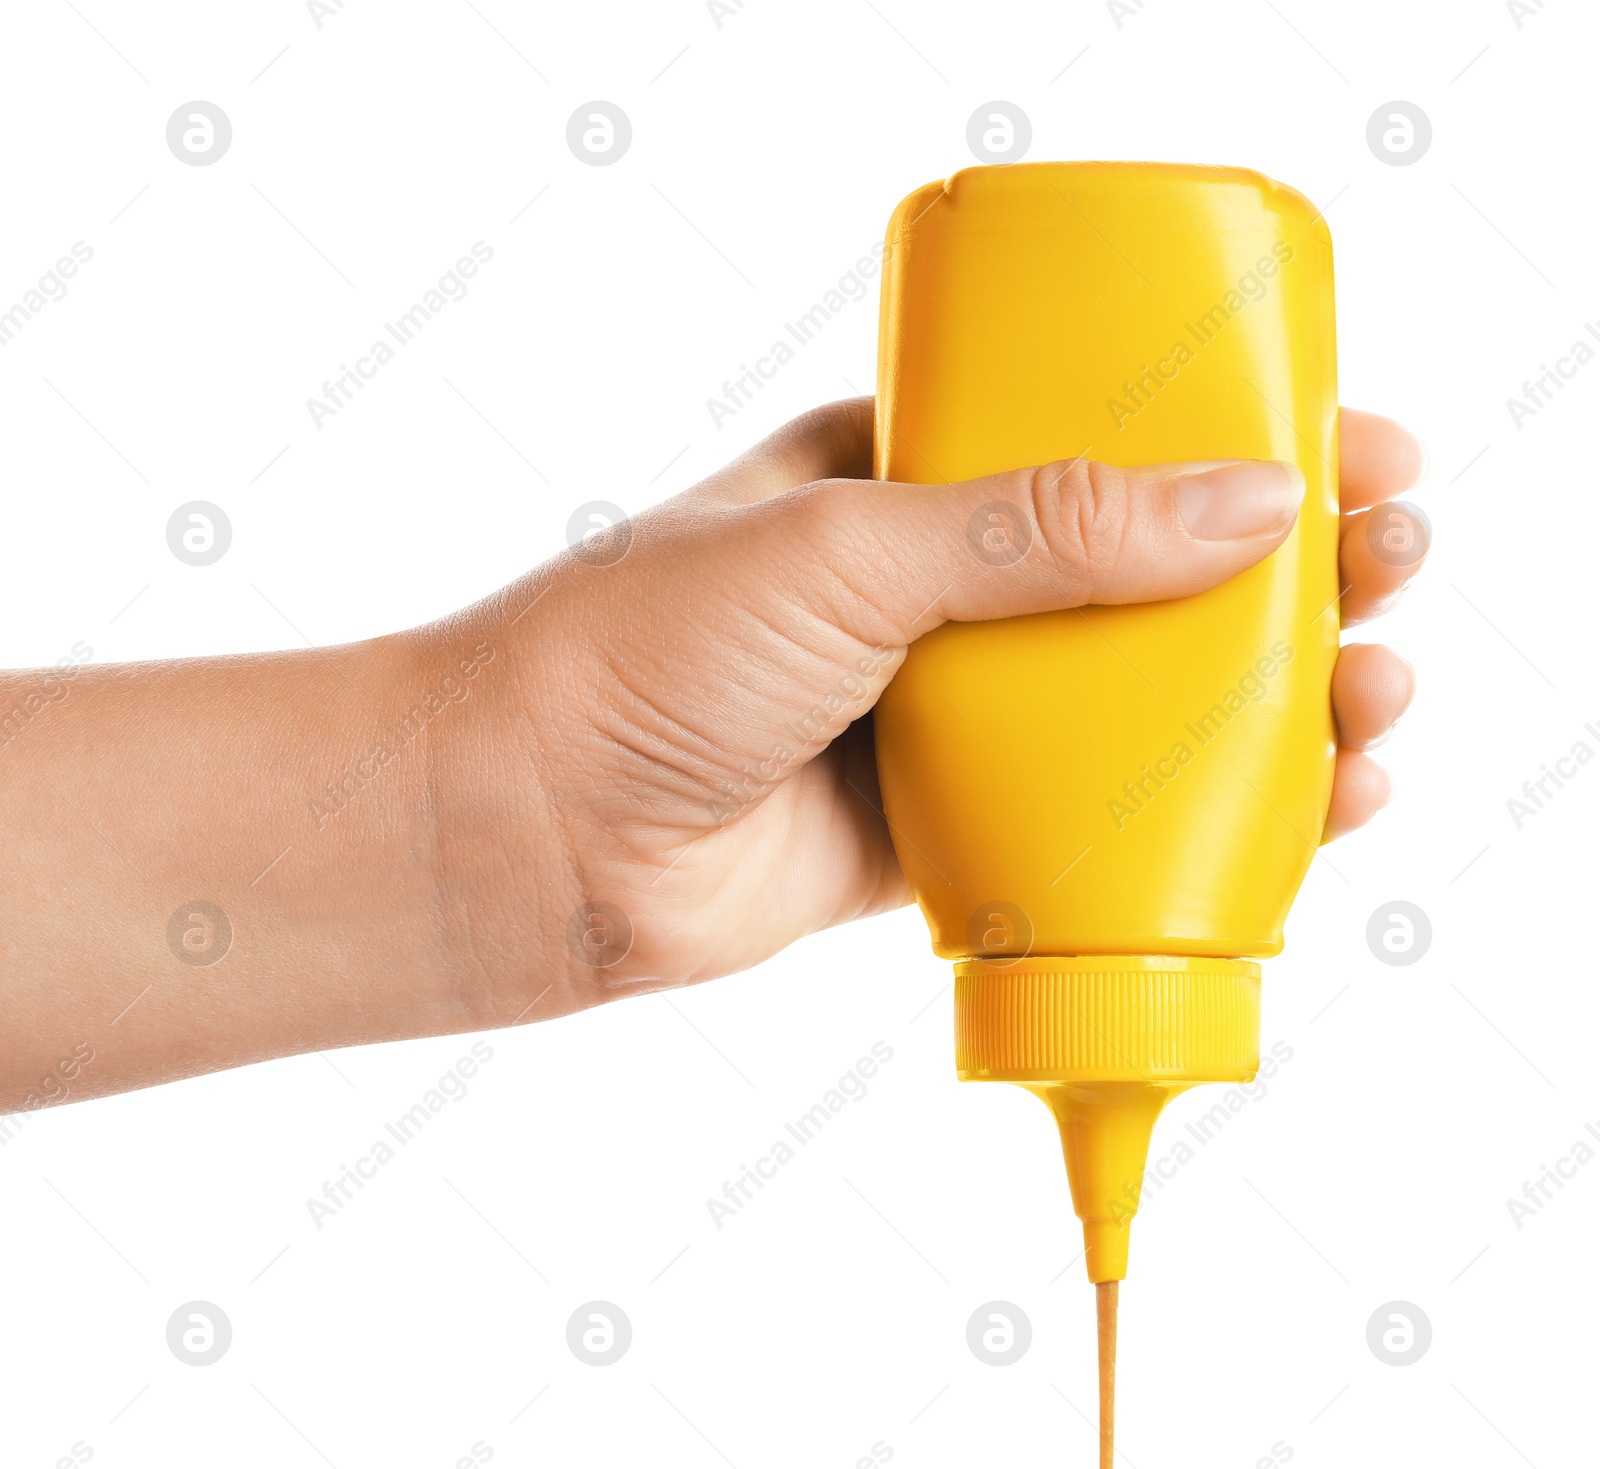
x: 405, y: 837
x: 647, y: 698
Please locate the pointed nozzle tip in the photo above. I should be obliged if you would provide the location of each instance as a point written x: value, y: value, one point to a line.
x: 1105, y: 1250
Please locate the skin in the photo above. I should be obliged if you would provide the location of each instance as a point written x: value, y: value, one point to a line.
x: 592, y: 741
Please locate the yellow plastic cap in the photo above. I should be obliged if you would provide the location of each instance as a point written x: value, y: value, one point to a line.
x: 1105, y: 1041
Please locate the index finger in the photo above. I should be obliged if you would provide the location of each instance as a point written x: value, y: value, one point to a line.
x: 830, y: 442
x: 1378, y: 460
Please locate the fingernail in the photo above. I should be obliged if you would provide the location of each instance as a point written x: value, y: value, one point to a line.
x: 1254, y: 497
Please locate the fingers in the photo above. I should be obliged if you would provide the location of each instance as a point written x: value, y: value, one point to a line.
x: 1361, y: 788
x: 830, y: 442
x: 1372, y: 687
x: 1380, y: 550
x: 884, y: 563
x: 1378, y: 460
x: 887, y: 562
x: 1382, y: 547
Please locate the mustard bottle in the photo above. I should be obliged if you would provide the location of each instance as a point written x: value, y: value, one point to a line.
x: 1105, y: 813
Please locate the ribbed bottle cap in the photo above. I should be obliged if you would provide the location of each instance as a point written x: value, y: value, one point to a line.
x: 1151, y: 1017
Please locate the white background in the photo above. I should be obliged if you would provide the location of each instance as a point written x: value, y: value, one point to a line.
x: 830, y: 1314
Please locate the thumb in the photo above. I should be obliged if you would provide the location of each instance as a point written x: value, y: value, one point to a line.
x: 894, y: 560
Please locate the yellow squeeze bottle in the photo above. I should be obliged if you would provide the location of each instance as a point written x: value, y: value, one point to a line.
x: 1105, y: 813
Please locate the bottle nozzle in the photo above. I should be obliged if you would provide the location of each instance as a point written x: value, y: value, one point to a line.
x: 1105, y: 1042
x: 1105, y: 1137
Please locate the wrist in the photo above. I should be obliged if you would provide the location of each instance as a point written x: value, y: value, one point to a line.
x: 504, y: 867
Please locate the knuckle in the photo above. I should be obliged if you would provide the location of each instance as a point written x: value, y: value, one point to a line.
x: 1082, y: 510
x: 822, y: 508
x: 826, y: 527
x: 821, y: 417
x: 825, y: 564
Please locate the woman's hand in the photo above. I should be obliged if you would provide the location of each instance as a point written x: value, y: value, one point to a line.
x: 567, y: 792
x: 615, y: 815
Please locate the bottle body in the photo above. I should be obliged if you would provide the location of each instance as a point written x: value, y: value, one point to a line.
x: 1139, y: 780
